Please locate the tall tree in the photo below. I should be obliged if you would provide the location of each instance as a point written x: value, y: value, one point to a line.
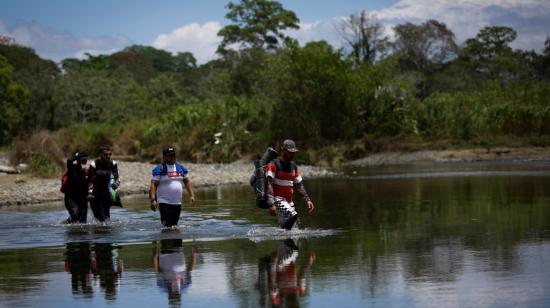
x: 38, y: 77
x: 13, y: 100
x: 425, y: 47
x: 162, y: 60
x: 256, y: 24
x: 490, y: 42
x: 363, y: 33
x: 490, y: 55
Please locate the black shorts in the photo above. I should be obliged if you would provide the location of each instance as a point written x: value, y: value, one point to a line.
x: 169, y: 214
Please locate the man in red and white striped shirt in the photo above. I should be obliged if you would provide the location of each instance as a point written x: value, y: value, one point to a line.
x: 283, y: 177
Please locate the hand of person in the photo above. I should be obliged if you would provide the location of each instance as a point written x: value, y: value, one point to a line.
x: 114, y: 185
x: 90, y: 195
x: 193, y: 201
x: 154, y: 205
x: 270, y: 200
x: 311, y: 257
x: 310, y: 206
x: 272, y: 210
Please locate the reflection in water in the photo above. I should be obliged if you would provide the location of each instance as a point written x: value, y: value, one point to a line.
x: 100, y: 260
x: 78, y: 262
x: 279, y: 278
x: 173, y: 274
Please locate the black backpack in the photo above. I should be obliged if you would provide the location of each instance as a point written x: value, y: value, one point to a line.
x: 258, y: 180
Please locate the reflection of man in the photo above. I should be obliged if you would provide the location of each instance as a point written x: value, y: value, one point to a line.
x: 78, y: 262
x: 173, y: 273
x: 285, y: 282
x: 108, y: 267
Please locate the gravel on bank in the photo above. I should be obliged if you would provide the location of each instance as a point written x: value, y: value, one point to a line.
x: 135, y: 179
x: 446, y: 156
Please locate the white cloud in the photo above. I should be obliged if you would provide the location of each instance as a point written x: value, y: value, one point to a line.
x: 464, y: 17
x: 201, y: 40
x: 56, y: 45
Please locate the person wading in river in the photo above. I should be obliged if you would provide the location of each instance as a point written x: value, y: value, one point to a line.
x: 166, y: 189
x: 75, y: 187
x: 103, y: 177
x: 283, y: 177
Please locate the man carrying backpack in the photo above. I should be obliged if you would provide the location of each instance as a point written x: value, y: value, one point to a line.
x: 103, y: 178
x: 74, y: 185
x: 166, y: 189
x: 283, y: 177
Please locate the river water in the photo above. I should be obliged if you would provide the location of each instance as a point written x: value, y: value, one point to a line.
x: 451, y: 235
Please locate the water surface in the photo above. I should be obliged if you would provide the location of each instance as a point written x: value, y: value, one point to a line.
x: 453, y: 235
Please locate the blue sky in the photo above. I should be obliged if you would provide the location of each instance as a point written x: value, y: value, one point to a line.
x: 58, y: 29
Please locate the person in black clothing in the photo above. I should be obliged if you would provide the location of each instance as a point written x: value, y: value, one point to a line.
x: 103, y: 175
x: 76, y: 188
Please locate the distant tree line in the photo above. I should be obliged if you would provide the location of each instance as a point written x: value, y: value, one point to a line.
x: 265, y: 86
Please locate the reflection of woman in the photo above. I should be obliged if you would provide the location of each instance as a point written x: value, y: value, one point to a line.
x: 108, y: 267
x: 78, y: 262
x: 286, y: 283
x: 173, y: 274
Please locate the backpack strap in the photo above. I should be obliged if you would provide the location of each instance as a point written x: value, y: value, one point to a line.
x: 163, y: 168
x: 279, y: 165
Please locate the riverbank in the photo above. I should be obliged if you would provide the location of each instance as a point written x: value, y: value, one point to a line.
x: 21, y: 189
x: 446, y: 156
x: 135, y: 177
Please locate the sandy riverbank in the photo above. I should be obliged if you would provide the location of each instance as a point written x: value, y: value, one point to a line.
x: 467, y: 155
x: 135, y: 179
x: 135, y: 176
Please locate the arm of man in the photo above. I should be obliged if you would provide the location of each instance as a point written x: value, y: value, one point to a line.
x: 116, y: 175
x: 91, y: 179
x: 302, y: 190
x: 271, y: 197
x: 271, y: 169
x: 189, y: 187
x: 153, y: 195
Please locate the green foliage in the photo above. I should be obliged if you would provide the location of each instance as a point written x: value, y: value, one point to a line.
x: 313, y: 95
x: 256, y: 24
x: 517, y: 109
x: 86, y: 136
x: 13, y: 101
x: 41, y: 165
x: 337, y: 106
x: 219, y: 130
x: 426, y: 46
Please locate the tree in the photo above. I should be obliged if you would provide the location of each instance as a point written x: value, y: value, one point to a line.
x: 13, y: 100
x: 184, y: 62
x: 162, y: 60
x: 132, y: 65
x: 425, y: 47
x: 311, y: 88
x: 84, y: 95
x: 38, y: 77
x: 256, y: 24
x: 363, y: 33
x: 490, y: 56
x: 490, y: 42
x: 164, y: 93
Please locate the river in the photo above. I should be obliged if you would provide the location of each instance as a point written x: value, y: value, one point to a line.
x: 452, y: 235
